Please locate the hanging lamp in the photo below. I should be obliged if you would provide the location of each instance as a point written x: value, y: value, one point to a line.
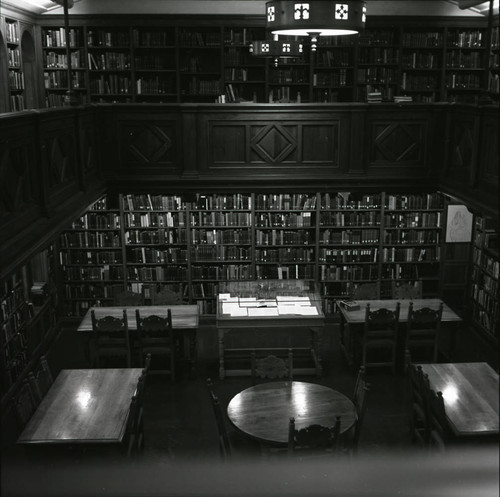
x: 277, y: 49
x: 315, y: 18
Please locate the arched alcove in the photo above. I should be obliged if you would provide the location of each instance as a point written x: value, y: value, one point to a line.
x: 28, y: 57
x: 4, y: 78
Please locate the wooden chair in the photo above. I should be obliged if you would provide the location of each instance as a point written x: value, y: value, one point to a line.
x: 365, y: 291
x: 271, y: 367
x: 110, y: 339
x: 25, y: 404
x: 134, y: 432
x: 128, y: 298
x: 440, y: 434
x: 313, y: 440
x: 419, y: 423
x: 165, y: 297
x: 422, y: 332
x: 225, y: 447
x: 44, y: 376
x: 405, y: 290
x: 379, y: 334
x: 350, y: 439
x: 155, y: 337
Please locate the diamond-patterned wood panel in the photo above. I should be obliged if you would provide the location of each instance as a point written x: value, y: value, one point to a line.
x: 148, y: 144
x: 289, y: 144
x: 398, y: 143
x: 18, y: 184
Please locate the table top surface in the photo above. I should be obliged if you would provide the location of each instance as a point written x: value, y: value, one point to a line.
x: 83, y: 406
x: 470, y: 392
x: 263, y: 411
x: 184, y: 317
x: 358, y: 315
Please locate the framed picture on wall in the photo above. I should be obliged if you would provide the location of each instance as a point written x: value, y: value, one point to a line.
x: 458, y: 224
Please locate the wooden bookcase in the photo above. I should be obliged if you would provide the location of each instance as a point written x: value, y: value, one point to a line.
x: 15, y: 71
x: 485, y: 277
x: 55, y: 65
x: 28, y: 302
x: 193, y: 244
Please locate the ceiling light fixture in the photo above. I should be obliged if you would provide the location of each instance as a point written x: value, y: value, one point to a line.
x: 316, y: 17
x: 277, y: 49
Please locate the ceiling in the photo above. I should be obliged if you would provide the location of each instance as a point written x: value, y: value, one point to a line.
x: 246, y: 7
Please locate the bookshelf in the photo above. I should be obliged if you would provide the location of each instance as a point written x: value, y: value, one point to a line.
x: 349, y: 244
x: 378, y: 64
x: 494, y: 64
x: 245, y: 74
x: 412, y: 239
x: 156, y: 244
x: 55, y: 64
x: 91, y: 259
x: 485, y: 278
x: 197, y: 60
x: 193, y: 244
x: 220, y: 233
x: 155, y: 64
x: 200, y: 77
x: 27, y: 316
x: 421, y: 64
x: 15, y: 71
x: 109, y: 62
x: 333, y: 68
x: 464, y: 65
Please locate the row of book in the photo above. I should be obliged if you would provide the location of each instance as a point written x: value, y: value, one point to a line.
x: 106, y: 38
x: 106, y: 272
x: 285, y: 201
x: 89, y: 239
x: 110, y: 84
x: 150, y: 39
x: 220, y: 253
x: 419, y: 82
x: 16, y: 80
x: 225, y: 272
x: 176, y: 219
x: 289, y: 254
x: 378, y: 37
x: 284, y: 76
x: 337, y: 256
x: 284, y: 220
x: 341, y: 77
x: 56, y: 37
x: 411, y: 254
x: 59, y: 80
x: 59, y: 60
x: 424, y: 39
x: 14, y: 57
x: 235, y: 201
x: 348, y: 200
x: 416, y: 201
x: 109, y: 61
x: 485, y: 281
x: 160, y: 236
x: 147, y: 255
x: 468, y: 81
x: 157, y: 273
x: 220, y: 237
x: 464, y: 60
x: 153, y: 203
x: 413, y: 220
x: 108, y: 220
x: 220, y: 219
x: 486, y: 262
x: 353, y: 273
x: 92, y: 291
x: 294, y: 271
x: 342, y: 219
x: 198, y: 39
x: 465, y: 39
x: 485, y: 299
x: 283, y: 237
x: 331, y: 58
x: 155, y: 62
x: 403, y: 236
x: 420, y: 60
x: 349, y: 237
x: 91, y: 257
x: 378, y: 55
x: 155, y: 85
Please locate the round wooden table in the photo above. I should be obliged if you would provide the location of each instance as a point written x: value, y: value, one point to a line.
x: 263, y: 411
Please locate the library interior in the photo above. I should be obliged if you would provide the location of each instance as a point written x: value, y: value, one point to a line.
x: 249, y: 247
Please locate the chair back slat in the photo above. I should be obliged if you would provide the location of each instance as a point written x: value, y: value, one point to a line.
x: 271, y: 367
x: 313, y: 439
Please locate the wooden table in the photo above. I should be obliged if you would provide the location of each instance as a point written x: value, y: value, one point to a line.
x: 356, y: 318
x: 470, y: 393
x: 185, y: 319
x: 83, y: 406
x: 263, y: 411
x: 313, y: 323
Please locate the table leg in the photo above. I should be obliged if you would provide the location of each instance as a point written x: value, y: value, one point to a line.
x: 317, y: 344
x: 193, y: 354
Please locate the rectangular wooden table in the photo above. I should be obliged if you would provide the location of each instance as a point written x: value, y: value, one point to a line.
x: 313, y: 321
x: 356, y: 317
x: 185, y: 319
x: 83, y: 406
x: 470, y: 393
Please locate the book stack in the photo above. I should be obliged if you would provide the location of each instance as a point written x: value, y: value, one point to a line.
x: 400, y: 99
x: 374, y: 97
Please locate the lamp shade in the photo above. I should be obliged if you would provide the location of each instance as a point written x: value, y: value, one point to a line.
x: 276, y: 48
x: 319, y: 17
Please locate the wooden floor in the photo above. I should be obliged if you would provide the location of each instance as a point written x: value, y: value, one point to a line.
x: 180, y: 433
